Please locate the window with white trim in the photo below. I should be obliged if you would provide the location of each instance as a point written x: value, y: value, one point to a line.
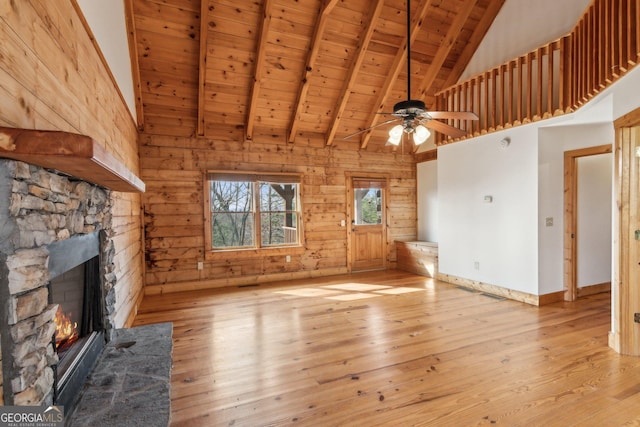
x: 252, y: 211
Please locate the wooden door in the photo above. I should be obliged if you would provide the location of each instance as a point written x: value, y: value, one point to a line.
x: 367, y: 214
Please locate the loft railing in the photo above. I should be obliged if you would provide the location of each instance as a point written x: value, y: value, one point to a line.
x: 554, y: 79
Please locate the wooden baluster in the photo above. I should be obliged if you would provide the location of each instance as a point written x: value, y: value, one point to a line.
x: 487, y: 96
x: 494, y: 100
x: 481, y: 114
x: 589, y: 30
x: 584, y: 63
x: 615, y: 40
x: 457, y: 123
x: 623, y: 35
x: 510, y: 94
x: 606, y: 54
x: 563, y: 78
x: 529, y: 86
x: 539, y: 84
x: 474, y: 124
x: 600, y: 44
x: 551, y: 48
x: 502, y: 74
x: 520, y: 89
x: 584, y: 59
x: 463, y: 107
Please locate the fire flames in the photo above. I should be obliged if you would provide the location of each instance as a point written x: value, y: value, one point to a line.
x: 66, y: 330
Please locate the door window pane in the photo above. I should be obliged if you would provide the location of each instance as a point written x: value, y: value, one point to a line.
x: 368, y: 206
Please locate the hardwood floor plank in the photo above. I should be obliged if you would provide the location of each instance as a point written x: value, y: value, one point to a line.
x: 287, y: 354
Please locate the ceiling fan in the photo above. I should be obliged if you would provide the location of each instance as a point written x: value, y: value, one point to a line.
x: 414, y: 118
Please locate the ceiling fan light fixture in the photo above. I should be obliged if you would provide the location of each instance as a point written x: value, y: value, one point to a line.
x: 420, y: 134
x: 394, y: 140
x: 395, y: 135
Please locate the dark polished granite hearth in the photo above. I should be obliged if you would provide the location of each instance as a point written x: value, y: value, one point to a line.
x: 130, y: 385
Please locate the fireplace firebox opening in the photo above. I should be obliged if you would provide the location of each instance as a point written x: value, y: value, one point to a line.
x: 75, y: 285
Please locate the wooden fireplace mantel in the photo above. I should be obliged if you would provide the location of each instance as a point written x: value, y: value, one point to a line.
x: 76, y: 155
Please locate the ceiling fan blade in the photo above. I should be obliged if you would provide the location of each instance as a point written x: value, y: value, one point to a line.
x: 372, y: 127
x: 456, y: 115
x: 445, y: 128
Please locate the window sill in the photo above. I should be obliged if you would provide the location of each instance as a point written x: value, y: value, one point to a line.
x: 253, y: 253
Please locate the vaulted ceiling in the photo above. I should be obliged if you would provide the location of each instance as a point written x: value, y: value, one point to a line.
x: 297, y: 70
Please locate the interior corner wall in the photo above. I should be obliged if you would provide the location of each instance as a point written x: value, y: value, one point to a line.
x: 493, y: 241
x: 427, y: 199
x: 554, y: 141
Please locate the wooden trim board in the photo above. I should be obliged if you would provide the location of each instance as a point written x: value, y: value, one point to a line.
x: 511, y: 294
x: 76, y: 155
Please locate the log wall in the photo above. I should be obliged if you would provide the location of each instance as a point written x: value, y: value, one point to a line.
x: 418, y: 257
x: 53, y: 78
x: 173, y: 169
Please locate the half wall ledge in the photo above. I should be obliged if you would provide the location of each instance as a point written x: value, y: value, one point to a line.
x: 72, y: 154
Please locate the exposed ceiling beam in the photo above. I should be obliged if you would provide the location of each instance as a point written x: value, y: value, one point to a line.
x: 445, y: 48
x: 327, y: 7
x: 398, y: 63
x: 350, y: 81
x: 259, y: 68
x: 202, y: 71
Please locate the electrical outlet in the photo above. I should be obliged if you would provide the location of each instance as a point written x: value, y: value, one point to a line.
x: 200, y: 265
x: 476, y: 265
x: 636, y: 317
x: 549, y: 221
x: 287, y: 258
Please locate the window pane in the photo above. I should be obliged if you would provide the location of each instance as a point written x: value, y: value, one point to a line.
x: 231, y: 196
x: 275, y: 232
x: 368, y: 206
x: 232, y: 229
x: 234, y: 214
x: 277, y: 196
x: 232, y: 218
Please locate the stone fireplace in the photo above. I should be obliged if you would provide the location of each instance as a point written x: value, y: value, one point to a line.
x: 46, y: 220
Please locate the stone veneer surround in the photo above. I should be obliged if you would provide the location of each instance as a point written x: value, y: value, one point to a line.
x: 39, y: 207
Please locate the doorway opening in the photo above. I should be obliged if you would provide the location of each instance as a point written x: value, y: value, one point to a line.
x: 588, y: 211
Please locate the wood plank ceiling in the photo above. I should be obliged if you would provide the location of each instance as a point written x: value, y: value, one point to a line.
x: 298, y: 71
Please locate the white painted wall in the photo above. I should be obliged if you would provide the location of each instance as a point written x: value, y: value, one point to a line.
x: 107, y: 22
x: 500, y: 236
x: 508, y: 237
x: 553, y: 142
x: 521, y: 26
x: 428, y: 201
x: 594, y: 211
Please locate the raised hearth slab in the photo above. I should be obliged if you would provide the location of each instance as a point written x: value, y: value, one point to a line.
x: 130, y: 385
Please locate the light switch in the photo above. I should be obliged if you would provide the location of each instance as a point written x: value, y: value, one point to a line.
x: 488, y: 199
x: 637, y: 234
x: 549, y: 221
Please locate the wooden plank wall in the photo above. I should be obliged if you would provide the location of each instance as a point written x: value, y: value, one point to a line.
x: 173, y: 167
x: 52, y: 78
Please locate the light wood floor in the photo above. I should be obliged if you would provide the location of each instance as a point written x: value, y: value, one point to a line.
x: 414, y: 352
